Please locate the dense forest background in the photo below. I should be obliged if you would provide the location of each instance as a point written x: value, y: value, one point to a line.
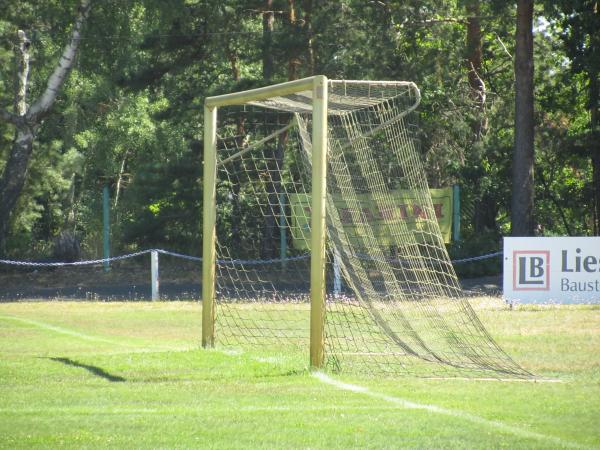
x: 129, y: 112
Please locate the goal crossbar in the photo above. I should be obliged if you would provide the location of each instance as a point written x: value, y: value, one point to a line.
x: 251, y: 95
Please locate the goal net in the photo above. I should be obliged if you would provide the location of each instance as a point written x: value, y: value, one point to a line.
x: 374, y: 289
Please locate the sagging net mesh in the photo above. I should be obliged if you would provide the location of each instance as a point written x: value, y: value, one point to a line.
x: 394, y: 304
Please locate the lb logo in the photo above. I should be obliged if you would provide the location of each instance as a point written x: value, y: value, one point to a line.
x: 531, y: 270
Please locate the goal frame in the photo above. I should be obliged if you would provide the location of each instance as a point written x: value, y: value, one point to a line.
x: 319, y: 87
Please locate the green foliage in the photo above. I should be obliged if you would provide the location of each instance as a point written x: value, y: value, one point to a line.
x: 480, y: 244
x: 130, y: 115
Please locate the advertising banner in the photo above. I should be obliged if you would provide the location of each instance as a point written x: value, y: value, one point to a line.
x: 406, y: 209
x: 552, y: 269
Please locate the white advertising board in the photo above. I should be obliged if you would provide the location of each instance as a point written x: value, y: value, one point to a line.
x: 552, y: 269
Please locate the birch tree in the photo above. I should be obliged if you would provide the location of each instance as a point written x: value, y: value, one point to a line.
x: 27, y: 117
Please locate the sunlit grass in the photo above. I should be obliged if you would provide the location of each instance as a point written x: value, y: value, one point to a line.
x: 133, y: 375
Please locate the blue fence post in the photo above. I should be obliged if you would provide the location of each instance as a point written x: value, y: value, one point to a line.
x: 337, y: 275
x: 106, y: 226
x: 456, y: 212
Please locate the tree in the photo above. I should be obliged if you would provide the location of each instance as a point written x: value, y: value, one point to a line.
x: 28, y: 119
x: 129, y: 113
x: 523, y: 159
x: 485, y: 213
x: 580, y: 21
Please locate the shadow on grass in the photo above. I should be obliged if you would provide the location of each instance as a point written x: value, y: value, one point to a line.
x: 92, y: 369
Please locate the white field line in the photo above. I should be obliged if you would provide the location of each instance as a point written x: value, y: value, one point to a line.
x: 73, y: 333
x: 57, y: 329
x: 448, y: 412
x: 80, y: 410
x: 200, y: 410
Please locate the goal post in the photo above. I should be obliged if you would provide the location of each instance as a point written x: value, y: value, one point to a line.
x: 314, y: 184
x: 318, y: 215
x: 318, y: 86
x: 209, y: 208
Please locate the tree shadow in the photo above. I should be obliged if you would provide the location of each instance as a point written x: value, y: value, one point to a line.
x: 97, y: 371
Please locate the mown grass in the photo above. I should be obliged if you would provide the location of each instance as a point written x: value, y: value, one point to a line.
x: 132, y: 375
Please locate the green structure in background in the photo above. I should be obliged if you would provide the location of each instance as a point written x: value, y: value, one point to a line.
x: 407, y: 209
x: 106, y: 226
x: 456, y: 212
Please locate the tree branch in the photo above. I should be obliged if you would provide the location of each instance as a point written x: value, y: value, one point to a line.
x: 504, y: 47
x: 41, y: 107
x: 22, y: 74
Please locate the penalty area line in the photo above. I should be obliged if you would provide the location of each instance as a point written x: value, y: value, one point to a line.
x: 73, y: 333
x: 446, y: 412
x: 57, y: 329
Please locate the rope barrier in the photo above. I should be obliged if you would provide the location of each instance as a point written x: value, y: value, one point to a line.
x: 75, y: 263
x: 196, y: 258
x: 258, y: 262
x: 476, y: 258
x: 179, y: 255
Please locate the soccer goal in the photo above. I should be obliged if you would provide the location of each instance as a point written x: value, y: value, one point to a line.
x: 319, y: 232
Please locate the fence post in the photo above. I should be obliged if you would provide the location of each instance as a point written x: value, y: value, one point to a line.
x: 456, y: 212
x: 337, y: 276
x: 106, y: 227
x: 154, y: 275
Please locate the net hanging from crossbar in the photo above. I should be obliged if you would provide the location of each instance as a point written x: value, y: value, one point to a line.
x: 394, y: 304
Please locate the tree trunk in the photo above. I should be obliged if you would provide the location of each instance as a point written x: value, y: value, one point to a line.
x: 522, y: 173
x: 594, y: 99
x: 267, y: 50
x: 26, y: 120
x: 268, y: 241
x: 13, y: 178
x: 310, y: 50
x: 293, y: 59
x: 236, y: 213
x: 474, y: 59
x: 486, y: 208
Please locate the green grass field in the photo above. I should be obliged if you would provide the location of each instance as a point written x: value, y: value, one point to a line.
x: 132, y: 375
